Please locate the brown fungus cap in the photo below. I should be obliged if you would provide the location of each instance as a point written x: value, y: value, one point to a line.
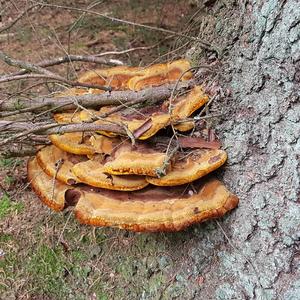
x: 92, y: 173
x: 156, y: 209
x: 51, y: 192
x: 151, y: 209
x: 116, y: 77
x: 160, y: 74
x: 70, y: 169
x: 73, y: 142
x: 141, y: 160
x: 191, y: 167
x: 56, y: 162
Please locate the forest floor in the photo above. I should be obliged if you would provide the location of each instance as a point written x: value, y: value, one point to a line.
x: 47, y: 255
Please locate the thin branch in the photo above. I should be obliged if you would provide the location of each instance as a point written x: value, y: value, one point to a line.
x: 162, y: 171
x: 20, y: 16
x: 203, y: 44
x: 84, y: 58
x: 125, y: 105
x: 19, y: 111
x: 23, y: 65
x: 132, y: 49
x: 26, y: 129
x: 54, y: 78
x: 18, y: 150
x: 93, y: 100
x: 68, y: 58
x: 42, y: 73
x: 121, y: 124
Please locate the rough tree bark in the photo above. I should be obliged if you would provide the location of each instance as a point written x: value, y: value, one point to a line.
x: 261, y: 133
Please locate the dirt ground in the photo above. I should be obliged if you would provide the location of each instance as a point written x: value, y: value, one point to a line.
x: 252, y: 253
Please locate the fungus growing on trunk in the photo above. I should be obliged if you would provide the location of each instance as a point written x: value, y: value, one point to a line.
x: 155, y: 208
x: 92, y: 172
x: 73, y: 142
x: 112, y: 179
x: 191, y: 167
x: 151, y: 209
x: 160, y: 74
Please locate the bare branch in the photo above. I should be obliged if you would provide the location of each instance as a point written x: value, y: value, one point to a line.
x: 54, y: 78
x: 42, y: 73
x: 69, y: 58
x: 23, y: 65
x: 132, y: 49
x: 203, y: 44
x: 84, y: 58
x: 18, y: 150
x: 26, y: 128
x: 153, y: 95
x: 20, y: 16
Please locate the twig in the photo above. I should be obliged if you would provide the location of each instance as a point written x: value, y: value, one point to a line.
x: 121, y: 124
x: 53, y: 128
x: 42, y: 73
x: 92, y: 100
x: 132, y: 49
x: 19, y: 111
x: 162, y: 171
x: 58, y: 165
x: 55, y: 78
x: 18, y: 151
x: 14, y: 21
x: 22, y: 64
x: 126, y: 105
x: 178, y: 80
x: 85, y: 58
x: 203, y: 44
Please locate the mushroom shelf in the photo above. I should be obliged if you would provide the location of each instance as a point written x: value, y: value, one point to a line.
x: 159, y: 183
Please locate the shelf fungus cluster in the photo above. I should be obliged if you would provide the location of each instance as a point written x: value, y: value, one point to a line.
x: 152, y: 179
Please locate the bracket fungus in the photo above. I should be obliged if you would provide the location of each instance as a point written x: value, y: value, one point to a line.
x: 112, y: 182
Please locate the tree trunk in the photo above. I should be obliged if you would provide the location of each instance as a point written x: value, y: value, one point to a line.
x: 261, y: 134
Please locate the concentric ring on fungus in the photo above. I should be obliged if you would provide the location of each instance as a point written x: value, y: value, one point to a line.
x: 151, y: 209
x: 192, y: 167
x: 156, y: 209
x: 78, y: 169
x: 91, y: 172
x: 159, y: 74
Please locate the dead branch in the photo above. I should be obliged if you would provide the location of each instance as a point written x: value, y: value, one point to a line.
x: 20, y: 16
x: 42, y: 128
x: 70, y: 58
x: 162, y: 171
x: 41, y: 73
x: 132, y: 49
x: 19, y: 150
x: 23, y: 65
x: 203, y: 44
x: 56, y: 78
x: 153, y: 95
x: 84, y: 58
